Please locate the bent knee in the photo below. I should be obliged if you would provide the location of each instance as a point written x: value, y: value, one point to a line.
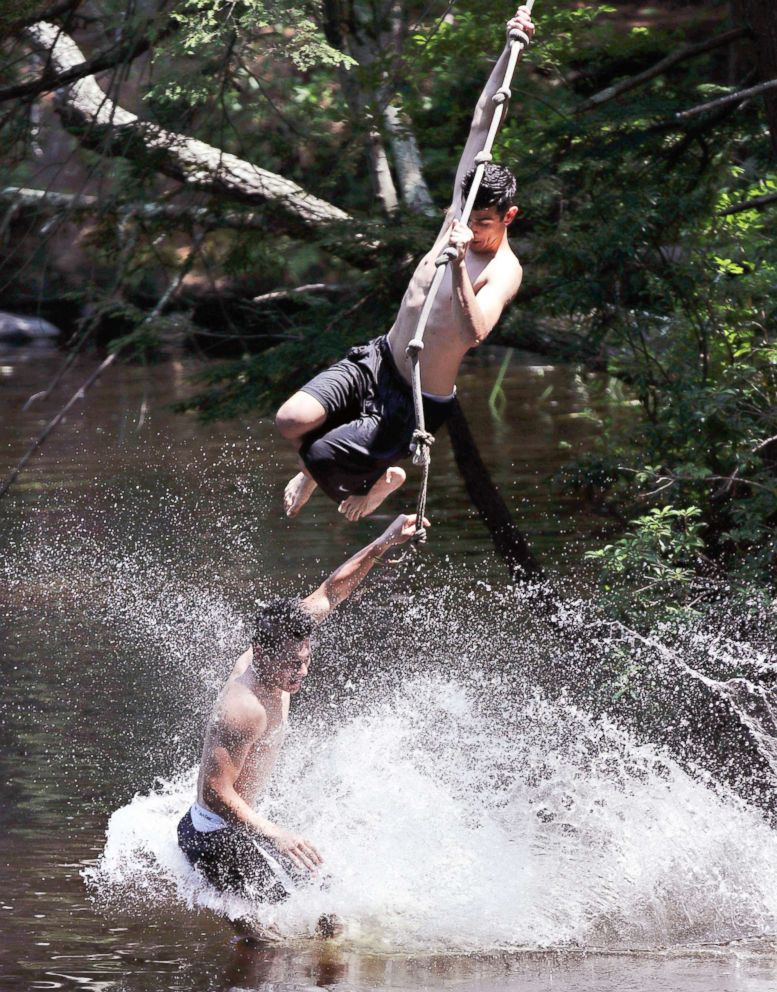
x: 298, y: 415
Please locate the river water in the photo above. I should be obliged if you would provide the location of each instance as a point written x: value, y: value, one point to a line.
x: 481, y: 831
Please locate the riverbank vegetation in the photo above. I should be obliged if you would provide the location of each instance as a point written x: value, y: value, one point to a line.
x: 261, y: 178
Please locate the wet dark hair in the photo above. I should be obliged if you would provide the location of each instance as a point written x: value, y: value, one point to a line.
x: 281, y: 620
x: 497, y: 188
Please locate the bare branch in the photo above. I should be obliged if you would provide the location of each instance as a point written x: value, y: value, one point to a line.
x: 686, y: 52
x: 47, y: 202
x: 285, y: 294
x: 755, y: 204
x: 125, y: 51
x: 172, y: 288
x: 765, y: 444
x: 100, y: 123
x: 725, y: 101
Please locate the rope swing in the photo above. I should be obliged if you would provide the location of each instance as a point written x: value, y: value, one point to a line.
x: 422, y: 440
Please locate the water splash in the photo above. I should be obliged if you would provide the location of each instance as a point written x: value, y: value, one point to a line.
x: 454, y: 817
x: 460, y: 757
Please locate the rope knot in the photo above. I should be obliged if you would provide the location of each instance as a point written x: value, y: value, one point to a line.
x: 420, y: 445
x: 483, y: 158
x: 414, y: 346
x: 517, y: 35
x: 502, y: 94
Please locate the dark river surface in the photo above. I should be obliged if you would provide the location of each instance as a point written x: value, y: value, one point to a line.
x: 480, y: 836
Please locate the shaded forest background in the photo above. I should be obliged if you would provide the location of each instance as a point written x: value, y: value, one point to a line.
x: 255, y: 182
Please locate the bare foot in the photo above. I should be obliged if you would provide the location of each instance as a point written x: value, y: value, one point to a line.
x: 257, y: 932
x: 297, y: 492
x: 356, y: 507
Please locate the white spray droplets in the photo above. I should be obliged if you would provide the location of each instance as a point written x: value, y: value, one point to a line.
x: 452, y: 756
x: 453, y: 821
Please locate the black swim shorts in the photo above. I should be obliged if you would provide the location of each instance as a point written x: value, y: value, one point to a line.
x: 370, y: 420
x: 237, y: 861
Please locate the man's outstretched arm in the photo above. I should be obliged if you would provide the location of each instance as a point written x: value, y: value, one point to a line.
x: 342, y: 582
x: 484, y: 110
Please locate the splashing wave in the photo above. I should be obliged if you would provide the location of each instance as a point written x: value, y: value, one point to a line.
x: 455, y: 817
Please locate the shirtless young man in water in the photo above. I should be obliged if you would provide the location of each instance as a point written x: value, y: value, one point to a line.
x: 353, y: 421
x: 222, y: 835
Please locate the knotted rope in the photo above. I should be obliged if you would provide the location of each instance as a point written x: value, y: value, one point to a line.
x: 422, y: 439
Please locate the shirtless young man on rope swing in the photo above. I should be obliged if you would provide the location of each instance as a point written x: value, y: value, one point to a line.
x: 352, y: 422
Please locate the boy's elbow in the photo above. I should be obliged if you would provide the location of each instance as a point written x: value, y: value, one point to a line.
x: 480, y: 333
x: 320, y: 603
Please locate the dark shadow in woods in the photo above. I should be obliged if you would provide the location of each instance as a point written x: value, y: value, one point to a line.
x: 509, y: 542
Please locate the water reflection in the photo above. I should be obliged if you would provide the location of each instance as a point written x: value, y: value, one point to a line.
x: 252, y: 968
x: 124, y: 433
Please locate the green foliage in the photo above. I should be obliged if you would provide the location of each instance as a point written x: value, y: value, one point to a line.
x: 629, y: 256
x: 652, y: 569
x: 212, y: 37
x: 629, y: 244
x: 12, y: 11
x: 702, y: 363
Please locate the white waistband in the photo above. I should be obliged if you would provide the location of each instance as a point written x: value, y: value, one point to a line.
x: 439, y: 396
x: 205, y: 820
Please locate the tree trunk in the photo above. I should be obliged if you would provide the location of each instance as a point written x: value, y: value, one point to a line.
x: 510, y: 544
x: 407, y: 155
x: 407, y: 159
x: 366, y: 48
x: 761, y: 17
x: 75, y: 205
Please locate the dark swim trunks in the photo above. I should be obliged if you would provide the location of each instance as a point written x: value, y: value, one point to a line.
x: 234, y: 860
x: 370, y: 420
